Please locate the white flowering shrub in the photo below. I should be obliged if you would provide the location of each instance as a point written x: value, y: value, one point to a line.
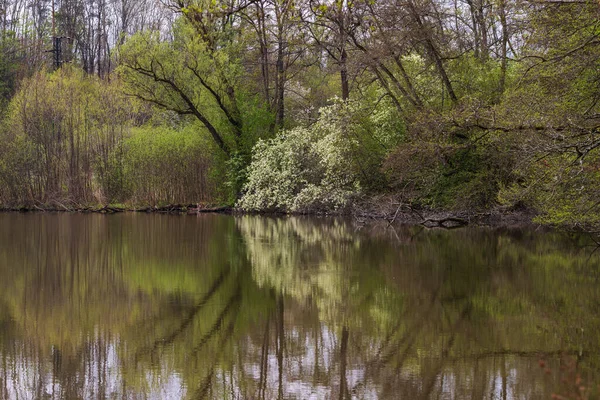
x: 317, y: 168
x: 303, y: 169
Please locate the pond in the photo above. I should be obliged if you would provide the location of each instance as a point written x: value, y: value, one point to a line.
x: 138, y: 306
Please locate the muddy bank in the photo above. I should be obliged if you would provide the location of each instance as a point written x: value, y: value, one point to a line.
x: 395, y: 213
x: 373, y: 210
x: 112, y: 209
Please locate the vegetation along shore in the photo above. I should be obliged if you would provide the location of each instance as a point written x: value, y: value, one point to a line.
x: 434, y: 111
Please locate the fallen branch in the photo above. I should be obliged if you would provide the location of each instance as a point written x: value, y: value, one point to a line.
x: 446, y: 223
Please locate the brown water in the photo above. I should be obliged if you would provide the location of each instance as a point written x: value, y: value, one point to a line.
x: 166, y: 307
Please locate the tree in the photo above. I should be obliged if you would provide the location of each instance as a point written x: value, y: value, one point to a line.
x: 331, y: 26
x: 197, y: 73
x: 186, y: 77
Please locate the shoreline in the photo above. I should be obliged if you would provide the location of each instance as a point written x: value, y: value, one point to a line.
x: 442, y: 219
x: 115, y: 209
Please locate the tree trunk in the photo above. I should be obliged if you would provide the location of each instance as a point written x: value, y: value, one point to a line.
x: 344, y: 75
x: 504, y: 65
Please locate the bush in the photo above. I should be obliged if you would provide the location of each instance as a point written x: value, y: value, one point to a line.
x: 451, y: 175
x: 59, y: 131
x: 166, y: 166
x: 69, y: 138
x: 563, y: 188
x: 299, y: 170
x: 321, y: 167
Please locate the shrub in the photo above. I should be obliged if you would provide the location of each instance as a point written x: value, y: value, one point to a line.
x: 59, y: 131
x: 451, y: 175
x: 299, y: 170
x: 323, y: 166
x: 164, y: 165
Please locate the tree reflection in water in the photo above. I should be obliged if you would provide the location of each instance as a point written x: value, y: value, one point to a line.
x: 148, y: 306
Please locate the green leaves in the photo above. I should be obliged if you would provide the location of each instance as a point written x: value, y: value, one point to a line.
x: 166, y: 166
x: 187, y: 76
x: 60, y: 132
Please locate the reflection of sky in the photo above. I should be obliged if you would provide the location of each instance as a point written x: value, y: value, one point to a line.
x: 311, y: 370
x: 298, y: 380
x: 27, y: 378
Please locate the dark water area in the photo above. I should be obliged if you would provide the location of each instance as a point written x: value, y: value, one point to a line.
x: 139, y: 306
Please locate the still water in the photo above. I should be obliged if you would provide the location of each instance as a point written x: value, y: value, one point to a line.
x: 139, y: 306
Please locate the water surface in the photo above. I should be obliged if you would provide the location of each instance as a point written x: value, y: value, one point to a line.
x: 139, y: 306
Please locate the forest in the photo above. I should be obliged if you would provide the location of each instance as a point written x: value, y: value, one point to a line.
x: 303, y: 106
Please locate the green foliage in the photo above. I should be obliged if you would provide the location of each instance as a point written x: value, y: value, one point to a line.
x: 563, y: 188
x: 166, y: 166
x: 61, y: 128
x: 452, y: 175
x: 8, y: 67
x: 113, y: 179
x: 557, y: 159
x: 469, y: 180
x: 235, y: 173
x: 478, y: 79
x: 69, y: 139
x: 197, y: 76
x: 455, y: 120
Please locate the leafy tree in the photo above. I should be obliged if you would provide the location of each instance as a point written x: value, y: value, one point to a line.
x: 198, y: 73
x: 8, y: 68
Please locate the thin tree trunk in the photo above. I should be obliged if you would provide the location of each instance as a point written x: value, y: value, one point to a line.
x: 344, y: 75
x: 504, y: 65
x: 433, y: 53
x: 280, y: 83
